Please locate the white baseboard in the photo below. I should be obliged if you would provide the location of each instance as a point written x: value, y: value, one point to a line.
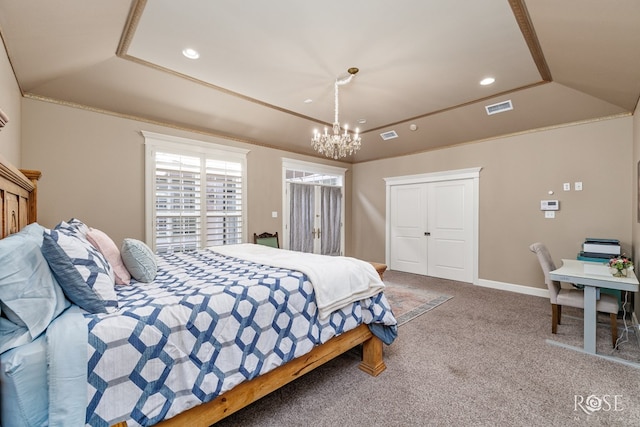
x: 520, y: 289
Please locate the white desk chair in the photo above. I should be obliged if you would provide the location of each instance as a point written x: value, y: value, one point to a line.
x: 572, y: 297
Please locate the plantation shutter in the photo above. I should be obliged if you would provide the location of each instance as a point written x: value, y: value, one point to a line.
x: 198, y: 197
x: 224, y: 202
x: 178, y: 223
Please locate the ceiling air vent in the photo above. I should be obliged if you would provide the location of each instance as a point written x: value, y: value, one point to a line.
x: 389, y: 135
x: 499, y: 107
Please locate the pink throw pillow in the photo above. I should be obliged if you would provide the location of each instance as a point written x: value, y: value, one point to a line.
x: 108, y: 248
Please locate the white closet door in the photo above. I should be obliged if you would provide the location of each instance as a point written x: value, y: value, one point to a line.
x: 450, y: 228
x: 432, y: 229
x: 408, y: 224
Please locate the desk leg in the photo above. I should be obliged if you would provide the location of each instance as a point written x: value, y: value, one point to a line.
x: 590, y: 319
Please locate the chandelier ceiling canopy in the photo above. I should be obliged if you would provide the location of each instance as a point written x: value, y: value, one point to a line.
x: 337, y: 144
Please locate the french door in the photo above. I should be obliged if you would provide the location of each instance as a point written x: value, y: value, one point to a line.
x: 313, y: 208
x: 315, y: 220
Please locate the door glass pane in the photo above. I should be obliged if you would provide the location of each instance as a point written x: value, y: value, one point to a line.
x: 331, y: 208
x: 314, y: 227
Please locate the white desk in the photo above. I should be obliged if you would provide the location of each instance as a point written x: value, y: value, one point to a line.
x: 572, y: 271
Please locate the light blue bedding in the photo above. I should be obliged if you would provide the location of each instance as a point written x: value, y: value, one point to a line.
x: 67, y: 358
x: 24, y: 401
x: 33, y: 395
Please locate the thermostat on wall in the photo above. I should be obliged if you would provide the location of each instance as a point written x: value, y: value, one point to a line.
x: 549, y: 205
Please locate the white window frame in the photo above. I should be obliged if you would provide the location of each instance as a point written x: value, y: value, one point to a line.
x: 155, y: 142
x: 313, y: 168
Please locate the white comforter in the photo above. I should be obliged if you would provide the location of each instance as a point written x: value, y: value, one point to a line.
x: 337, y: 281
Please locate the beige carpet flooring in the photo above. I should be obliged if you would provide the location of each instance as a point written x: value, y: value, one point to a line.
x: 480, y: 359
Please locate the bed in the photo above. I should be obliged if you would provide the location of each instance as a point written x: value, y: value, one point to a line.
x: 211, y: 332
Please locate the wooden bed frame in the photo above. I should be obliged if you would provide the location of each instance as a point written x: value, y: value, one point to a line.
x: 18, y: 197
x: 18, y: 200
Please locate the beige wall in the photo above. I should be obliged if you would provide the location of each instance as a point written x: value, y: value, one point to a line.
x: 517, y: 172
x: 10, y: 98
x: 93, y: 169
x: 101, y: 157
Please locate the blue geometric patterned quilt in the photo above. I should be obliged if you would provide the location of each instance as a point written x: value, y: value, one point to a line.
x: 206, y: 324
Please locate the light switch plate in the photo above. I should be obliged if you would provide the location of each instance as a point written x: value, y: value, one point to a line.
x: 577, y: 185
x: 274, y: 214
x: 549, y: 214
x: 566, y: 186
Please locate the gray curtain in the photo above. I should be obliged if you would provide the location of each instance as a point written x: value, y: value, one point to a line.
x: 301, y: 220
x: 331, y: 208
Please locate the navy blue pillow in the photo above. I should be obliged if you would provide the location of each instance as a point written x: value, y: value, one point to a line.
x: 85, y: 277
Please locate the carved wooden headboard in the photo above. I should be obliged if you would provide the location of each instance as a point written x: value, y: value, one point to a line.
x: 18, y: 197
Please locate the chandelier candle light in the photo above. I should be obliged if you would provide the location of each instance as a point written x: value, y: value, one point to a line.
x: 337, y: 144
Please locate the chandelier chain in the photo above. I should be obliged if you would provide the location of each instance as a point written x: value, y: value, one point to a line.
x: 335, y: 98
x: 336, y: 145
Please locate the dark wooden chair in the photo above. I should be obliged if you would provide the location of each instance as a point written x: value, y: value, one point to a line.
x: 267, y: 239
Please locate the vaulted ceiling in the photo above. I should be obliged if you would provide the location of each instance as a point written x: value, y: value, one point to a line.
x: 266, y: 70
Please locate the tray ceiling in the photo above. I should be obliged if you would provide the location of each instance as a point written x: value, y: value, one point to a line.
x: 266, y: 69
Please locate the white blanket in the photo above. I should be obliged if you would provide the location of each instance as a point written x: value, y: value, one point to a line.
x: 337, y: 281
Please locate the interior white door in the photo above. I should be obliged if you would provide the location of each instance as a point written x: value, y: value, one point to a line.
x: 431, y: 229
x: 450, y: 229
x: 408, y: 224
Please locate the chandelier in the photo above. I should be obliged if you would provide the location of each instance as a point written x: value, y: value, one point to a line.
x: 337, y: 144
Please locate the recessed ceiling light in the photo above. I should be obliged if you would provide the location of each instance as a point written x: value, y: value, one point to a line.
x: 362, y: 121
x: 191, y: 53
x: 308, y: 101
x: 487, y: 81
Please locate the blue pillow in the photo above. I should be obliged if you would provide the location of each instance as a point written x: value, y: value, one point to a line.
x: 139, y: 260
x: 83, y: 273
x: 34, y: 232
x: 30, y: 297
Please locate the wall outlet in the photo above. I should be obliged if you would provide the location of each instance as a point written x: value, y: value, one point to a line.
x: 566, y: 186
x: 577, y: 185
x: 549, y: 214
